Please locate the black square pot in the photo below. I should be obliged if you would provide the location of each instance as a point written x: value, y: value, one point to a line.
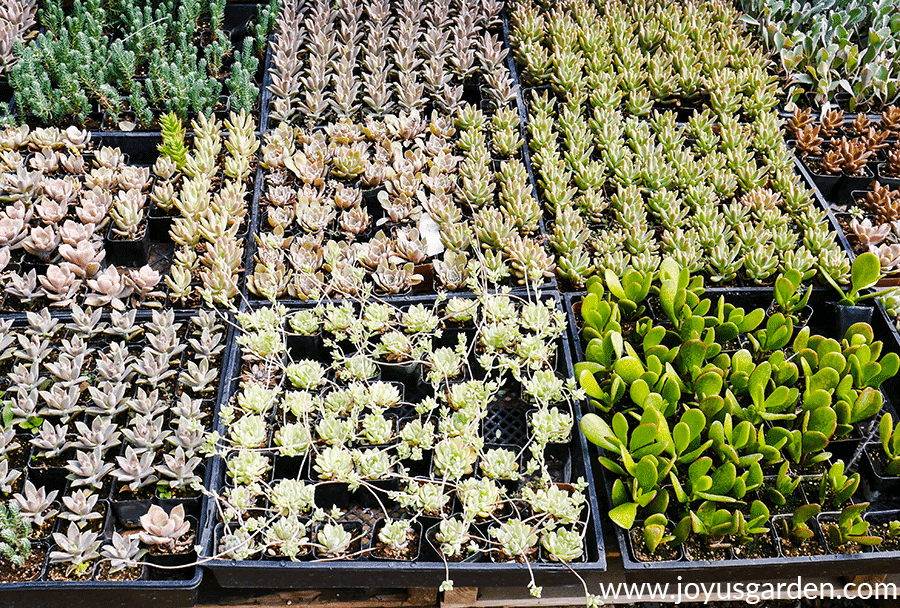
x: 886, y: 180
x: 128, y: 252
x: 373, y: 543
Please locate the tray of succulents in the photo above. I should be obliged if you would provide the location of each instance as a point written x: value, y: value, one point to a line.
x: 405, y: 188
x: 132, y: 73
x: 141, y: 221
x: 103, y: 464
x: 429, y: 440
x: 741, y: 434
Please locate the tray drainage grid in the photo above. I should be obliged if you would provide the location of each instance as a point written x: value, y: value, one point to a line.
x: 505, y: 422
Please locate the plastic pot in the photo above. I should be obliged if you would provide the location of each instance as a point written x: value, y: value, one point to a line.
x: 355, y: 528
x: 837, y: 188
x: 409, y: 374
x: 128, y: 252
x: 308, y: 347
x: 827, y: 518
x: 878, y: 479
x: 824, y: 182
x: 128, y: 512
x: 330, y: 494
x: 290, y: 467
x: 846, y: 316
x: 374, y: 544
x: 434, y: 547
x: 177, y: 560
x: 421, y: 467
x: 886, y: 180
x: 376, y: 490
x: 159, y: 223
x: 841, y: 192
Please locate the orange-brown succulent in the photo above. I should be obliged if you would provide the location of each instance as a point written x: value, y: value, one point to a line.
x: 891, y: 168
x: 832, y: 121
x: 831, y: 162
x: 854, y: 155
x: 860, y: 124
x: 808, y: 141
x: 800, y: 119
x: 882, y: 203
x: 875, y: 140
x: 890, y: 119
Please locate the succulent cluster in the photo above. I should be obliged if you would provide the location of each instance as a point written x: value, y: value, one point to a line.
x: 16, y: 19
x: 381, y: 57
x: 400, y: 406
x: 67, y: 200
x: 634, y: 56
x: 726, y: 204
x: 720, y: 405
x: 205, y: 188
x: 60, y: 194
x: 832, y: 144
x: 873, y: 226
x: 120, y: 407
x: 123, y: 64
x: 356, y: 206
x: 831, y: 51
x: 626, y: 182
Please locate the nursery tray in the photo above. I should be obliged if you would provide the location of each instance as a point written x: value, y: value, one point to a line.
x: 360, y: 572
x: 834, y: 565
x: 141, y: 150
x: 180, y: 591
x: 237, y: 16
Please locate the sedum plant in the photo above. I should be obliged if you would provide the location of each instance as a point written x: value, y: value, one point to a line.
x: 89, y: 56
x: 14, y: 532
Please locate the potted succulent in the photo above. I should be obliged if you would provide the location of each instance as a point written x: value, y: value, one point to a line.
x: 396, y: 540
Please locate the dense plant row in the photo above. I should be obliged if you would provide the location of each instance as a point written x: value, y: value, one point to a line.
x: 712, y: 416
x: 78, y: 221
x: 103, y: 418
x: 122, y: 65
x: 843, y: 52
x: 341, y: 407
x: 719, y: 193
x: 381, y: 57
x: 384, y: 198
x: 636, y: 56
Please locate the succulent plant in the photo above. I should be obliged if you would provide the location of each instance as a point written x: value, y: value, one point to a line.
x: 14, y: 532
x: 77, y: 549
x: 164, y: 532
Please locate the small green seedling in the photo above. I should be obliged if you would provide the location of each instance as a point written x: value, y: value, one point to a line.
x: 851, y: 528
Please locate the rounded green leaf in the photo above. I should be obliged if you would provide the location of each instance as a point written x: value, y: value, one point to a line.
x: 623, y: 515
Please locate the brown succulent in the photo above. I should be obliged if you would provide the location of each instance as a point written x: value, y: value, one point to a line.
x: 854, y: 155
x: 875, y: 140
x: 808, y: 141
x: 831, y: 162
x: 800, y: 119
x: 832, y: 121
x: 892, y: 166
x: 882, y: 203
x: 890, y: 119
x: 860, y: 124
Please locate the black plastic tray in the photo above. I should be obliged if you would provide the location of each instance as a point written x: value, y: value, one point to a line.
x: 835, y: 565
x: 173, y: 593
x: 360, y: 573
